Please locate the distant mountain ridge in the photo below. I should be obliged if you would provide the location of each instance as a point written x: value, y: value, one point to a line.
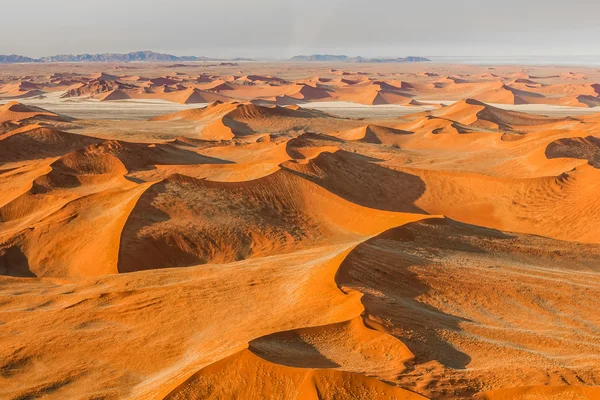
x: 14, y: 58
x: 320, y: 57
x: 342, y: 58
x: 151, y: 56
x: 137, y: 56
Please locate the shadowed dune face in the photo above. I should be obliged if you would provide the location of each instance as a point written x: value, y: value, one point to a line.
x: 38, y: 143
x: 360, y: 180
x: 183, y: 221
x: 455, y: 293
x: 587, y: 148
x: 253, y: 248
x: 348, y: 346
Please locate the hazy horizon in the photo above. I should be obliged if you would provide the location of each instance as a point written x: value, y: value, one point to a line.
x: 270, y: 29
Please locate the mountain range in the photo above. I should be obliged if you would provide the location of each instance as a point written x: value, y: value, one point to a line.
x: 150, y: 56
x: 342, y: 58
x: 137, y: 56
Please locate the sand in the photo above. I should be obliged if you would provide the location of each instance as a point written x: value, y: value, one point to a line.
x: 301, y: 232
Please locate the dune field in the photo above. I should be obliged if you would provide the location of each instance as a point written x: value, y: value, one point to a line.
x: 299, y: 231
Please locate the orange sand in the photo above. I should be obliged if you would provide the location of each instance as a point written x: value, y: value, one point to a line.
x: 262, y: 250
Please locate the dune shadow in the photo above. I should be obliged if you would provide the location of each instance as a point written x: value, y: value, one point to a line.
x: 133, y: 179
x: 286, y: 348
x: 144, y: 157
x: 309, y: 140
x: 582, y: 148
x: 382, y: 268
x: 314, y: 136
x: 137, y: 253
x: 204, y: 159
x: 358, y: 179
x: 155, y: 236
x: 172, y: 155
x: 13, y: 262
x: 238, y: 128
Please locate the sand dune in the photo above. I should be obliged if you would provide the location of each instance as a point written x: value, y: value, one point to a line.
x: 263, y: 379
x: 475, y: 113
x: 20, y: 90
x: 251, y: 248
x: 16, y: 112
x: 374, y: 134
x: 505, y: 86
x: 225, y: 121
x: 194, y: 230
x: 37, y: 142
x: 115, y: 95
x: 455, y: 278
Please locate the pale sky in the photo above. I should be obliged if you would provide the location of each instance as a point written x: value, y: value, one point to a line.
x: 283, y: 28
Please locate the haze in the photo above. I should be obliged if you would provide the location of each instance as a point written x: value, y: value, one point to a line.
x: 275, y: 29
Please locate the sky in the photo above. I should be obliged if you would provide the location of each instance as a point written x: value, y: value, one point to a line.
x: 284, y: 28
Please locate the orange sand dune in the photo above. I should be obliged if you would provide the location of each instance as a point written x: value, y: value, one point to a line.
x: 475, y: 113
x: 371, y: 93
x: 16, y: 112
x: 447, y: 290
x: 191, y: 229
x: 348, y: 346
x: 355, y: 178
x: 139, y: 156
x: 374, y: 134
x: 238, y: 111
x: 115, y: 95
x: 245, y: 375
x: 567, y: 202
x: 20, y: 90
x: 502, y: 203
x: 225, y: 121
x: 135, y: 299
x: 217, y: 130
x: 184, y: 96
x: 103, y: 76
x: 164, y: 88
x: 304, y: 148
x: 435, y: 125
x: 504, y: 86
x: 36, y: 142
x: 233, y: 161
x: 256, y: 249
x: 215, y: 108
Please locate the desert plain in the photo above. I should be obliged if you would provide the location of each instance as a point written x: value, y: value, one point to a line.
x: 309, y: 230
